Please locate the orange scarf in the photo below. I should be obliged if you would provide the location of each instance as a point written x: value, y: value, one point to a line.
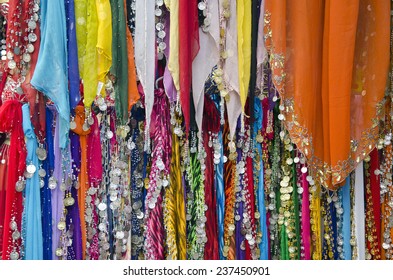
x: 330, y: 62
x: 83, y: 178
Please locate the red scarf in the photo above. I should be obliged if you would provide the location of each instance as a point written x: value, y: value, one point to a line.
x: 211, y: 124
x: 251, y: 191
x: 375, y: 186
x: 95, y: 171
x: 11, y: 122
x: 189, y: 39
x: 37, y: 104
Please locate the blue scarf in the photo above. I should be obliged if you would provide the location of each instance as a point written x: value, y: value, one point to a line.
x: 32, y: 206
x: 51, y: 74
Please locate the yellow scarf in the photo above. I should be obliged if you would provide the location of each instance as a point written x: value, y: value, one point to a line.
x: 244, y: 47
x: 94, y: 51
x: 173, y: 63
x: 104, y: 42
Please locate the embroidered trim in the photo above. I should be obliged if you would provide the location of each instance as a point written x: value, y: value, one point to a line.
x: 326, y: 174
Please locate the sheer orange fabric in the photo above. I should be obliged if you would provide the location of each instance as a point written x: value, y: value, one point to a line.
x: 83, y: 178
x: 330, y: 62
x: 133, y: 93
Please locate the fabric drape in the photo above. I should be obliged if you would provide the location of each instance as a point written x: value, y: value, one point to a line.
x: 72, y: 49
x: 51, y: 74
x: 189, y: 39
x: 205, y: 60
x: 83, y: 176
x: 133, y: 93
x: 11, y: 122
x: 32, y: 203
x: 145, y: 52
x: 120, y: 59
x: 104, y: 39
x: 330, y: 61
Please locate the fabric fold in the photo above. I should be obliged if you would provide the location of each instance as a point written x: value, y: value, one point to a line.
x: 189, y: 39
x: 145, y: 52
x: 32, y: 204
x: 104, y: 40
x: 243, y: 10
x: 120, y: 65
x: 51, y: 75
x: 72, y: 49
x: 332, y: 116
x: 205, y: 60
x: 234, y: 107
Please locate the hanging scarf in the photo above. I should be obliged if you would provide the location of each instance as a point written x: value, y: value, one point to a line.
x: 133, y: 93
x: 4, y: 158
x: 175, y: 217
x: 189, y: 38
x: 259, y: 180
x: 239, y: 188
x: 196, y: 230
x: 211, y: 125
x: 137, y: 186
x: 95, y: 171
x: 104, y: 42
x: 32, y: 204
x: 296, y: 203
x: 230, y: 179
x: 205, y: 60
x: 57, y: 194
x: 83, y: 179
x: 46, y: 204
x: 231, y: 74
x: 250, y: 209
x: 174, y: 42
x: 373, y: 207
x: 275, y: 201
x: 305, y: 226
x: 255, y: 12
x: 315, y: 214
x: 72, y: 49
x: 90, y: 54
x: 37, y: 114
x: 74, y: 252
x: 158, y: 179
x: 169, y: 85
x: 145, y: 54
x: 348, y: 52
x: 81, y: 12
x: 11, y: 122
x: 21, y: 12
x: 375, y: 184
x: 244, y: 17
x: 220, y: 193
x: 50, y: 75
x: 120, y: 60
x: 261, y: 50
x: 34, y: 98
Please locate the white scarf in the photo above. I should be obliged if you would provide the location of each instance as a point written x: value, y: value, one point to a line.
x: 145, y: 53
x: 206, y: 59
x: 234, y: 106
x: 261, y: 50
